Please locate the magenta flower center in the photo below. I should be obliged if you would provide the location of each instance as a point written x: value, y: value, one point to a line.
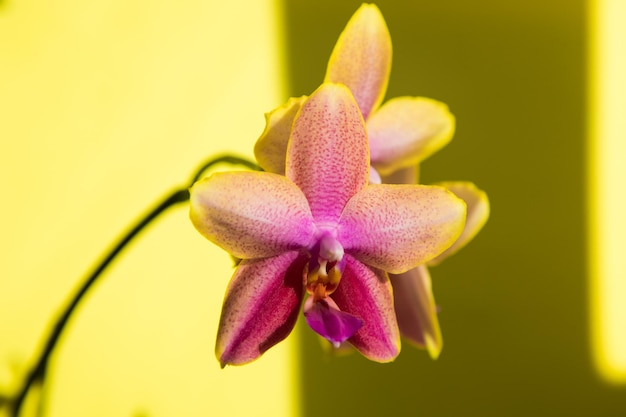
x: 323, y: 272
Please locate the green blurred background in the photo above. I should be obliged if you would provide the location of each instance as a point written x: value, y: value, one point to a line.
x: 515, y: 302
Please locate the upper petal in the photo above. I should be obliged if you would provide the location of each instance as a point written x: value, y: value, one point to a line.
x: 477, y: 214
x: 397, y: 227
x: 328, y: 155
x: 366, y: 293
x: 251, y: 214
x: 362, y: 58
x: 260, y: 308
x: 416, y: 310
x: 270, y: 149
x: 407, y: 130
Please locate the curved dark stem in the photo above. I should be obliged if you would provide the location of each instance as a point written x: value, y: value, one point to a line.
x: 230, y: 159
x: 38, y: 372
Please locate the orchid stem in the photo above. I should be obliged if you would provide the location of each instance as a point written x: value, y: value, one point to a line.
x: 37, y: 374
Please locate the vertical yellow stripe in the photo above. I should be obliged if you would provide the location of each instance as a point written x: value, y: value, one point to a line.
x: 607, y: 175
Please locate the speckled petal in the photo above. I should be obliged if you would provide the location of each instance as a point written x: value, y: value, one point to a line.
x: 362, y: 58
x: 251, y: 214
x: 261, y: 306
x: 416, y: 310
x: 366, y: 293
x: 397, y: 227
x: 270, y: 149
x: 477, y: 214
x: 407, y: 130
x: 327, y: 155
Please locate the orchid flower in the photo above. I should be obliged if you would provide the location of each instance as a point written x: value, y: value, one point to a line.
x: 402, y: 132
x: 323, y: 230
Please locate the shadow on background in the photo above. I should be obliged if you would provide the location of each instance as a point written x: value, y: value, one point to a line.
x: 514, y: 303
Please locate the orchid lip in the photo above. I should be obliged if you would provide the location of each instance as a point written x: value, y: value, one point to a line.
x: 327, y: 320
x: 323, y: 273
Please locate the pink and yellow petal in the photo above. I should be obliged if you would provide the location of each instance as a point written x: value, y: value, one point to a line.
x: 327, y: 155
x: 261, y: 306
x: 361, y: 58
x: 477, y: 214
x: 366, y: 293
x: 416, y: 310
x: 397, y: 227
x: 407, y: 130
x: 270, y: 149
x: 252, y: 214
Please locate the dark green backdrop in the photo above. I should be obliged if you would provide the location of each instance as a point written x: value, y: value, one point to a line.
x: 514, y: 303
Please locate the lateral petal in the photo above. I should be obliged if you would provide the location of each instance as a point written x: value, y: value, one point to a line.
x: 407, y: 130
x: 396, y: 227
x: 477, y: 215
x: 416, y: 310
x: 328, y: 155
x: 270, y: 149
x: 251, y: 214
x: 261, y: 307
x: 366, y: 293
x: 361, y: 58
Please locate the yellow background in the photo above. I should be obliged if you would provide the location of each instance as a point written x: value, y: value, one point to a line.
x: 105, y: 107
x: 607, y: 201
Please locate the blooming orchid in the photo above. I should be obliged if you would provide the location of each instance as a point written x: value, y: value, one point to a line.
x: 323, y: 230
x: 402, y: 132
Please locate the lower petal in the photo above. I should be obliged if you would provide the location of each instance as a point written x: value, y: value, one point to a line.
x: 366, y: 293
x: 416, y: 310
x: 260, y: 307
